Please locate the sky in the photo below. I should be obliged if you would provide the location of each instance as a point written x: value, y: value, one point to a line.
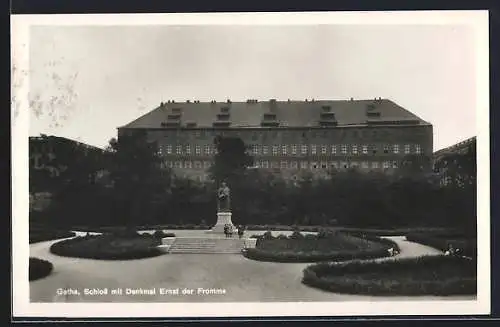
x: 85, y: 81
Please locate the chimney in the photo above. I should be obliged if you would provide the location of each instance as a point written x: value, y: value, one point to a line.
x: 352, y: 99
x: 188, y: 101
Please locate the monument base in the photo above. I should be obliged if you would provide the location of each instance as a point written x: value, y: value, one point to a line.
x: 223, y: 219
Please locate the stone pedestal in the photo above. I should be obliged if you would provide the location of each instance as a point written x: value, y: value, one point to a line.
x: 223, y: 218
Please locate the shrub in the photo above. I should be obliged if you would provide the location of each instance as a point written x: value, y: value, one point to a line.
x: 39, y: 268
x: 310, y: 236
x: 159, y: 234
x: 428, y: 275
x: 108, y: 247
x: 325, y: 233
x: 268, y: 235
x: 120, y: 232
x: 42, y: 235
x: 296, y: 235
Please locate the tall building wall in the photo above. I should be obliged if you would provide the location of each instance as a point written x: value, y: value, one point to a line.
x: 368, y: 145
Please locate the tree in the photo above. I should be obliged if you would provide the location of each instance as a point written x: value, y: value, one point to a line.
x: 459, y: 170
x: 415, y: 165
x: 139, y: 179
x: 231, y: 160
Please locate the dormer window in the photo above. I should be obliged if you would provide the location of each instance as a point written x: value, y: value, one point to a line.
x: 174, y: 116
x: 373, y: 114
x: 176, y: 110
x: 326, y: 108
x: 224, y: 109
x: 223, y: 117
x: 269, y: 116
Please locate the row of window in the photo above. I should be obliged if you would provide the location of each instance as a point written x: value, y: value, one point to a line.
x: 291, y: 164
x: 325, y: 165
x: 256, y: 135
x: 296, y: 149
x: 188, y: 164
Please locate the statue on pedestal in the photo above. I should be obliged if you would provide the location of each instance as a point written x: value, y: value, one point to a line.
x: 223, y: 198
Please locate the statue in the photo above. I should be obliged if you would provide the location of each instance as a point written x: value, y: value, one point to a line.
x: 224, y: 198
x: 223, y: 211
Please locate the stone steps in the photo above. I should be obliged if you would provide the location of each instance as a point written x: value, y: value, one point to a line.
x: 207, y: 245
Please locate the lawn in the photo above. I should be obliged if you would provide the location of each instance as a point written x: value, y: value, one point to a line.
x: 321, y: 247
x: 39, y: 268
x: 41, y: 235
x: 109, y: 247
x: 428, y: 275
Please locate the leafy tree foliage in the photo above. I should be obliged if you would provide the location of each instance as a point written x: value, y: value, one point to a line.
x: 144, y: 193
x: 231, y: 160
x: 140, y: 181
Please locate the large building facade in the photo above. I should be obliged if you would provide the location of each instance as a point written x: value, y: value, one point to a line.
x: 288, y: 137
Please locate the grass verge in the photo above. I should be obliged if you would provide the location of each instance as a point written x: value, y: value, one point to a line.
x: 41, y: 235
x: 109, y: 247
x: 427, y: 275
x: 321, y: 247
x: 39, y: 268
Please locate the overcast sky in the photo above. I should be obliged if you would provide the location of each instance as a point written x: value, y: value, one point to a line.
x: 86, y: 81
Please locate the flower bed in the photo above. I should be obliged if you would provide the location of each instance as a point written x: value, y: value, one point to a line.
x: 109, y: 247
x: 39, y: 268
x: 42, y: 235
x: 324, y: 246
x: 428, y: 275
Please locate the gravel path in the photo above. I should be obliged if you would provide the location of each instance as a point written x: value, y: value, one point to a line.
x: 241, y: 279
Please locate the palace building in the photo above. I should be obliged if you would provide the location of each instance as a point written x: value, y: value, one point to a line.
x: 288, y: 137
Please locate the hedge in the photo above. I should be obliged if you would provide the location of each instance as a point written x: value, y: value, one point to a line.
x: 39, y: 268
x: 427, y: 275
x: 108, y: 247
x: 315, y: 248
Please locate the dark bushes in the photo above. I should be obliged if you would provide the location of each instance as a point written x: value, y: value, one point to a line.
x: 108, y: 247
x: 162, y: 234
x: 466, y: 245
x: 312, y: 248
x: 42, y: 235
x: 39, y: 268
x: 428, y: 275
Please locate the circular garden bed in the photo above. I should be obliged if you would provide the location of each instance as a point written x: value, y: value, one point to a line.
x: 39, y: 268
x: 427, y: 275
x: 41, y: 235
x: 109, y: 247
x: 324, y: 246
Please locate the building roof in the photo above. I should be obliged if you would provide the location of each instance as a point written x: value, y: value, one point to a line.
x: 62, y: 140
x: 456, y: 148
x: 287, y: 113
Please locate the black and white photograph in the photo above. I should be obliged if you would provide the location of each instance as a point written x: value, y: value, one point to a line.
x: 245, y: 164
